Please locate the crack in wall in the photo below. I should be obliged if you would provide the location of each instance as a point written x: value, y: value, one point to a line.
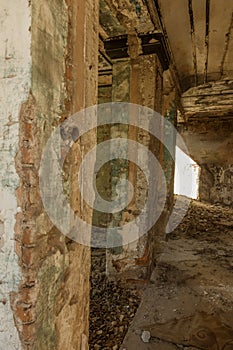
x: 228, y: 37
x: 193, y: 38
x: 207, y: 40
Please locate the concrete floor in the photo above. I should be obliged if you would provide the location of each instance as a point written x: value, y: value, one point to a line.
x: 189, y: 302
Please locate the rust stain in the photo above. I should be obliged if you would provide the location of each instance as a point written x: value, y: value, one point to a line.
x: 144, y: 260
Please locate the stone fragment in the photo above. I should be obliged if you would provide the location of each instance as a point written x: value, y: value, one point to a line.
x: 145, y: 336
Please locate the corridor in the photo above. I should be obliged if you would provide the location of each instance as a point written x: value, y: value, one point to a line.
x: 97, y: 249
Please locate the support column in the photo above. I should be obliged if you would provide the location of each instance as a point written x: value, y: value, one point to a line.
x: 138, y: 81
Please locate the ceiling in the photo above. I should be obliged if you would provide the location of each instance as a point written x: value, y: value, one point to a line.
x: 124, y: 17
x: 199, y: 33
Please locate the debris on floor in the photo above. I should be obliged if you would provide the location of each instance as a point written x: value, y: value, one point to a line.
x: 189, y: 302
x: 112, y: 308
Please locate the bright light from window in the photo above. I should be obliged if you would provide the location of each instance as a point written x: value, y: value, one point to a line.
x: 186, y: 175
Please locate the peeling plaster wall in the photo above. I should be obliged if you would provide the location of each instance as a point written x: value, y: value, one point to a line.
x: 216, y: 184
x: 15, y: 65
x: 209, y: 141
x: 48, y: 66
x: 133, y: 263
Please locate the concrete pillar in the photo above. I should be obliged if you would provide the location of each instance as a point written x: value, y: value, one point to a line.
x: 139, y: 81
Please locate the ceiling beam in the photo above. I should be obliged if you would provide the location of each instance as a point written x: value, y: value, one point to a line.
x: 153, y: 43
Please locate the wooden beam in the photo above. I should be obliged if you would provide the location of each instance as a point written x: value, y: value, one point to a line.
x: 153, y: 43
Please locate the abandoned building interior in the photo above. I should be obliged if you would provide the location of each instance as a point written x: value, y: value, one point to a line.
x: 170, y: 287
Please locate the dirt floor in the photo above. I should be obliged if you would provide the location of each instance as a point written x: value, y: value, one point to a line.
x: 189, y: 302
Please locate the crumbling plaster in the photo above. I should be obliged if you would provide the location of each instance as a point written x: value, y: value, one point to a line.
x: 15, y: 67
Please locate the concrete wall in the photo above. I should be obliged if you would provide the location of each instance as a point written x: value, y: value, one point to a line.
x: 48, y: 66
x: 216, y: 184
x: 209, y: 141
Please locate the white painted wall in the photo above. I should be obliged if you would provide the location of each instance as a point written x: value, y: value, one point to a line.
x: 186, y: 175
x: 15, y: 79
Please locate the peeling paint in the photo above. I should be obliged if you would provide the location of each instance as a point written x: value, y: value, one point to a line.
x: 15, y: 64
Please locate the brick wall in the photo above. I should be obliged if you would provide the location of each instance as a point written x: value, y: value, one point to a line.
x: 45, y: 79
